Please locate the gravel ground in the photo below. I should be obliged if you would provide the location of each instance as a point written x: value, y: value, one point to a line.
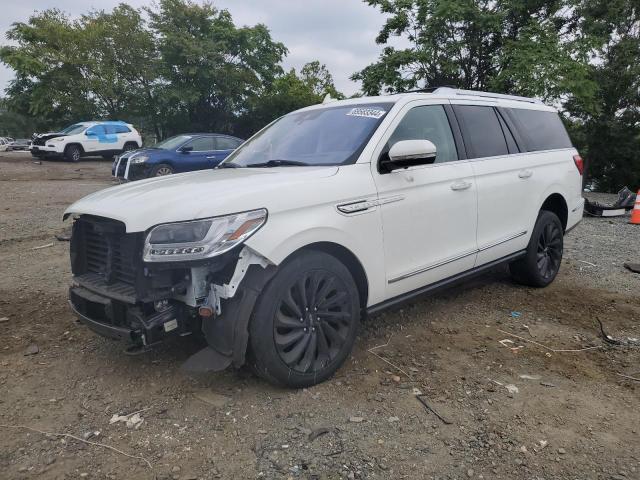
x: 516, y: 410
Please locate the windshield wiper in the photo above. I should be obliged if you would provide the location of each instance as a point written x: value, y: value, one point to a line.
x: 278, y: 163
x: 228, y: 165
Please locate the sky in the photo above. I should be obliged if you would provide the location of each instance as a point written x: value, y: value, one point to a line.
x: 338, y: 33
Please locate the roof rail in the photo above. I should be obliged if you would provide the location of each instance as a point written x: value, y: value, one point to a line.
x: 473, y: 93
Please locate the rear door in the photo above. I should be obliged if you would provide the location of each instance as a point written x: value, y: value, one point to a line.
x: 428, y: 211
x: 224, y: 147
x: 506, y: 181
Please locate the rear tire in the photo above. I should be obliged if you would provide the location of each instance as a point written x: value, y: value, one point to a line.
x: 130, y: 146
x: 305, y: 321
x: 73, y: 153
x: 539, y: 267
x: 161, y: 170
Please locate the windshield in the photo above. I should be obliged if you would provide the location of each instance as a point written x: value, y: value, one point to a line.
x: 73, y: 129
x: 326, y: 136
x: 172, y: 143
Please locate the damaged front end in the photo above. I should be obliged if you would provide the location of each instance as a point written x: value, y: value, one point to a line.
x: 197, y: 279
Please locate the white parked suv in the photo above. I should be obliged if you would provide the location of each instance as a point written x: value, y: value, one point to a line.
x: 103, y: 138
x: 328, y: 213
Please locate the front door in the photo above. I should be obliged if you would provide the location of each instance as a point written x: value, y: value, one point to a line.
x: 428, y: 211
x: 199, y: 157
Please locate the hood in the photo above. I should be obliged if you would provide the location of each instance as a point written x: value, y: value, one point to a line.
x: 48, y: 136
x: 188, y: 196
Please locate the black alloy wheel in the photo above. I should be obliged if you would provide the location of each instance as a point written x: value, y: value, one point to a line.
x: 305, y: 321
x: 543, y: 256
x: 312, y: 321
x: 549, y: 252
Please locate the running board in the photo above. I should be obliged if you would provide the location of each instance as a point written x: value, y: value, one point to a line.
x: 443, y: 283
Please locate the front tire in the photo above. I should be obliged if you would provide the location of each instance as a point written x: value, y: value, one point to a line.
x: 305, y: 321
x: 161, y: 170
x: 539, y: 267
x: 73, y: 153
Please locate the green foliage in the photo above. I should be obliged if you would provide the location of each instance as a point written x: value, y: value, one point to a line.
x: 582, y: 55
x: 179, y: 66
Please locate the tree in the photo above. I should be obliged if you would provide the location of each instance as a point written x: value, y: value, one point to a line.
x: 508, y: 46
x: 609, y: 134
x: 210, y: 68
x: 286, y: 93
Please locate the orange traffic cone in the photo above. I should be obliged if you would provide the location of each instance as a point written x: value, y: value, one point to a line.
x: 635, y: 213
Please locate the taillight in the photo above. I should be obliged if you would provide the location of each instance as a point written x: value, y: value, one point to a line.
x: 577, y: 159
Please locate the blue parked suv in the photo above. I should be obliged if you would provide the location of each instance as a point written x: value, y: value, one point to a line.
x: 182, y: 153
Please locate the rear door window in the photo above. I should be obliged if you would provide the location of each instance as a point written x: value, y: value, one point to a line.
x: 483, y: 136
x: 428, y: 122
x: 226, y: 143
x: 541, y: 130
x: 202, y: 144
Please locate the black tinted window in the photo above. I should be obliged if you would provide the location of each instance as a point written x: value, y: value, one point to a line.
x: 202, y: 144
x: 541, y: 130
x: 121, y: 129
x: 427, y: 123
x: 482, y: 132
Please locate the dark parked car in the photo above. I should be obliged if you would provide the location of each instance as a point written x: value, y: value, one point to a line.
x: 181, y: 153
x: 19, y: 144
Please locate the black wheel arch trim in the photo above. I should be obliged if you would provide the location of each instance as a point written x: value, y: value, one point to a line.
x: 228, y: 333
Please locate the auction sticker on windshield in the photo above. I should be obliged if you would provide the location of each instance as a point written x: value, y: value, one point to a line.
x: 366, y: 112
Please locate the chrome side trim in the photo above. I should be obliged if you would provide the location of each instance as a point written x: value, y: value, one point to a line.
x: 501, y: 241
x: 117, y: 166
x: 364, y: 205
x: 432, y: 266
x: 453, y: 259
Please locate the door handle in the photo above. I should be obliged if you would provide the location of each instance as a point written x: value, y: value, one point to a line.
x: 460, y: 185
x: 525, y: 173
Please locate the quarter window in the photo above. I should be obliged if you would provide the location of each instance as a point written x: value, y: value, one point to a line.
x: 482, y: 132
x: 428, y: 122
x: 541, y: 130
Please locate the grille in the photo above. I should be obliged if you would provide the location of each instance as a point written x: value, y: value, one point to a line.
x: 104, y: 249
x: 122, y: 167
x: 38, y: 141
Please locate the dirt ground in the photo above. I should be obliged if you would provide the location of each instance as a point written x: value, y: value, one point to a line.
x: 513, y: 410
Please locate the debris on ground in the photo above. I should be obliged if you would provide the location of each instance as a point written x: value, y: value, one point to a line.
x: 634, y: 267
x: 133, y: 420
x: 43, y: 246
x: 4, y: 319
x: 625, y: 201
x: 622, y: 342
x: 32, y: 349
x: 511, y: 388
x: 63, y: 238
x: 525, y: 376
x: 421, y: 398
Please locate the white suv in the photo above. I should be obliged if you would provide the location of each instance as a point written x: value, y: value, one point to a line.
x: 326, y: 214
x: 106, y: 139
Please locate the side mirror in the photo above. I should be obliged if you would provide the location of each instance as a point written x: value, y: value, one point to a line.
x: 186, y: 149
x: 408, y: 153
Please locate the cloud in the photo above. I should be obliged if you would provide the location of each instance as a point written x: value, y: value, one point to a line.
x: 338, y: 33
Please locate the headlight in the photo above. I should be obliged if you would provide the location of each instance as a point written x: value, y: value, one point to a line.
x: 174, y: 242
x: 139, y: 159
x: 57, y: 139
